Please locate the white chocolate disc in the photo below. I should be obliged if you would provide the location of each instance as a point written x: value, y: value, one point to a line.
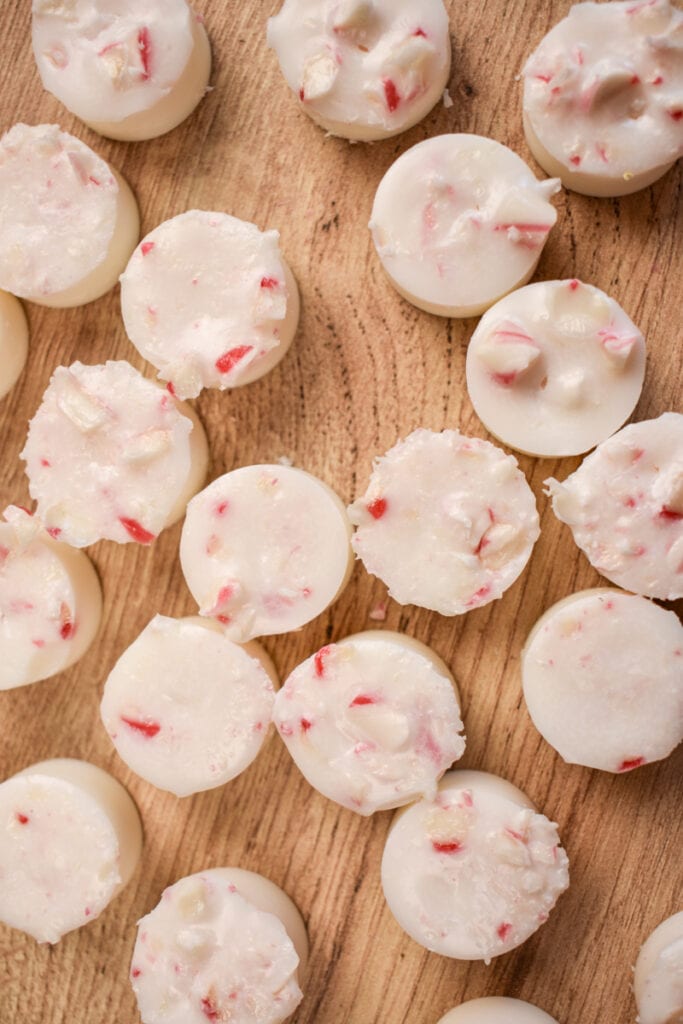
x: 70, y: 839
x: 264, y: 549
x: 473, y: 873
x: 555, y: 368
x: 68, y: 222
x: 497, y: 1010
x: 13, y: 341
x: 624, y: 505
x: 208, y: 300
x: 658, y: 979
x: 458, y: 221
x: 50, y: 602
x: 588, y: 672
x: 363, y: 69
x: 448, y: 522
x: 373, y: 721
x: 110, y: 455
x: 222, y: 945
x: 603, y: 96
x: 185, y: 707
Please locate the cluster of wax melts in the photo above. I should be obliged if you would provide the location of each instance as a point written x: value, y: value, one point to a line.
x: 470, y: 867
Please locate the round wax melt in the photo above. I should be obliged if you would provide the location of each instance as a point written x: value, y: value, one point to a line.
x: 70, y: 841
x: 363, y: 69
x: 131, y: 69
x: 264, y: 549
x: 474, y: 872
x: 13, y: 341
x: 224, y: 944
x: 209, y: 301
x: 373, y: 721
x: 555, y: 368
x: 658, y: 979
x: 624, y: 505
x: 50, y: 602
x: 186, y: 708
x: 68, y: 221
x: 110, y: 455
x: 458, y: 221
x: 497, y: 1010
x: 448, y: 522
x: 603, y: 107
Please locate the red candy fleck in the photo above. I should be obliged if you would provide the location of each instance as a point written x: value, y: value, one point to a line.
x: 505, y: 379
x: 630, y: 764
x: 543, y: 78
x: 136, y: 531
x: 22, y: 818
x: 67, y: 630
x: 319, y: 660
x: 301, y: 93
x: 45, y: 462
x: 452, y: 846
x: 503, y: 930
x: 305, y: 724
x: 657, y: 81
x: 479, y: 595
x: 145, y: 48
x: 670, y: 514
x: 576, y: 160
x: 361, y: 701
x: 269, y: 282
x: 54, y: 532
x: 377, y: 508
x: 146, y: 248
x: 602, y: 153
x: 545, y: 228
x: 420, y: 32
x: 148, y: 729
x: 573, y: 285
x: 222, y: 508
x: 170, y: 389
x: 391, y: 95
x: 136, y: 972
x: 229, y: 360
x: 676, y: 115
x: 209, y: 1008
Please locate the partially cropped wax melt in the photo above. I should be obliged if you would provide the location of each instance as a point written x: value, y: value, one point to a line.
x: 497, y: 1010
x: 264, y: 549
x: 131, y: 69
x: 458, y: 221
x: 448, y: 522
x: 68, y: 221
x: 50, y: 602
x: 110, y: 455
x: 624, y: 505
x: 222, y: 945
x: 373, y: 721
x: 186, y: 708
x: 603, y: 96
x: 658, y: 979
x: 13, y: 341
x: 363, y: 69
x: 209, y: 301
x: 555, y: 368
x: 588, y: 672
x: 70, y: 841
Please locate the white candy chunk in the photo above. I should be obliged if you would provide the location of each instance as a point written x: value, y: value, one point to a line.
x: 352, y: 14
x: 148, y: 446
x: 672, y: 489
x: 497, y: 1010
x: 658, y: 978
x: 85, y: 411
x: 508, y: 355
x: 412, y: 55
x: 610, y: 78
x: 319, y: 76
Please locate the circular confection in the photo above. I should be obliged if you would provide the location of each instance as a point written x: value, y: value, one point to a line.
x: 497, y: 1010
x: 459, y: 221
x: 224, y: 944
x: 131, y: 69
x: 70, y: 840
x: 50, y: 602
x: 209, y: 301
x: 555, y: 368
x: 624, y: 506
x: 186, y: 708
x: 68, y: 222
x: 448, y: 522
x: 110, y: 455
x: 363, y: 69
x: 474, y: 872
x: 265, y: 549
x: 602, y: 96
x: 373, y: 721
x: 658, y: 978
x: 13, y: 341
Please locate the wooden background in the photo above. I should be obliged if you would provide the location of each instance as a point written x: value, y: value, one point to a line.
x: 366, y: 368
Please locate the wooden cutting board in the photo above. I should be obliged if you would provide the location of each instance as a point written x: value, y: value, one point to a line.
x: 366, y: 368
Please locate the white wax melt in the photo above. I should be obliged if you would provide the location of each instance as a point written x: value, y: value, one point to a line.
x: 111, y: 455
x: 373, y: 721
x: 448, y: 522
x: 222, y: 945
x: 70, y: 841
x: 68, y: 221
x: 497, y: 1010
x: 264, y: 549
x: 658, y: 979
x: 624, y: 505
x: 603, y: 96
x: 209, y: 301
x: 50, y: 602
x: 458, y: 221
x: 13, y: 341
x: 363, y: 69
x: 473, y: 873
x: 131, y: 69
x: 555, y: 368
x: 185, y: 707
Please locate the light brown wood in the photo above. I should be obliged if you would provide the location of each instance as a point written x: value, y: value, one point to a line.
x: 365, y: 369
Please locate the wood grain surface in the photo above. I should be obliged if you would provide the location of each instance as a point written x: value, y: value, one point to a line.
x: 366, y: 368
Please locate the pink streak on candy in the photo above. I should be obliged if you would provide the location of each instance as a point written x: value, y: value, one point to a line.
x: 228, y: 361
x: 136, y: 530
x: 361, y: 701
x: 391, y: 95
x: 22, y: 818
x: 148, y: 729
x: 209, y: 1009
x: 630, y: 764
x: 145, y: 47
x: 452, y: 846
x: 503, y: 930
x: 269, y: 282
x: 319, y: 660
x: 146, y: 248
x: 377, y: 508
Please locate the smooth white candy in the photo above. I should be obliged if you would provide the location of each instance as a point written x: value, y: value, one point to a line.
x: 658, y: 979
x: 13, y: 341
x: 497, y: 1010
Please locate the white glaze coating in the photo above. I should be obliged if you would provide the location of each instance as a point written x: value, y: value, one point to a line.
x: 208, y: 300
x: 603, y: 106
x: 555, y: 368
x: 658, y: 979
x: 110, y: 455
x: 624, y: 505
x: 458, y: 221
x: 13, y: 341
x: 448, y: 522
x: 497, y: 1010
x: 373, y: 721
